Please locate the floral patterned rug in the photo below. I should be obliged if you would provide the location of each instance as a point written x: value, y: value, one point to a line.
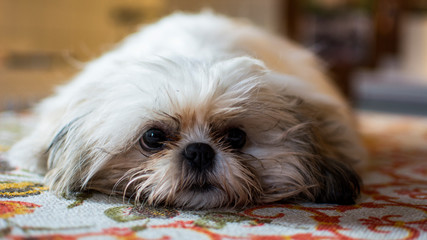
x: 393, y: 205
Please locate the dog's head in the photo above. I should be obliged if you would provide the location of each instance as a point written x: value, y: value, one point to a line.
x: 200, y: 135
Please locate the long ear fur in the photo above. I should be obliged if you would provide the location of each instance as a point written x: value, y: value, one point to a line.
x: 338, y: 183
x: 331, y: 167
x: 71, y: 158
x: 65, y: 162
x: 334, y: 179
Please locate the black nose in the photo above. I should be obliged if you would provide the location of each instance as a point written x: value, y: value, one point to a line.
x: 200, y: 156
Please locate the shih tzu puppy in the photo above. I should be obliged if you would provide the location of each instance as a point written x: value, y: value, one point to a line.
x: 198, y: 111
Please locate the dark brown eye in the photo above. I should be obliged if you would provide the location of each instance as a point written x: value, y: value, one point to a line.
x: 153, y: 139
x: 235, y: 138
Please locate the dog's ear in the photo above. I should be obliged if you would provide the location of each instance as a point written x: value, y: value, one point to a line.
x: 334, y: 149
x: 337, y: 183
x: 328, y: 174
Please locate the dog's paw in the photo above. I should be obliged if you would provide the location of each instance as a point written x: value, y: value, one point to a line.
x: 27, y: 154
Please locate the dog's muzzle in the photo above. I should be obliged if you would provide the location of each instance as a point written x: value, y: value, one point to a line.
x: 199, y: 156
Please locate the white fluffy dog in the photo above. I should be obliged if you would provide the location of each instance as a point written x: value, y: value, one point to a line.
x: 198, y: 111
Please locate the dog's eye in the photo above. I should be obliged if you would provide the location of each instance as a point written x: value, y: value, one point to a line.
x: 236, y: 138
x: 153, y: 139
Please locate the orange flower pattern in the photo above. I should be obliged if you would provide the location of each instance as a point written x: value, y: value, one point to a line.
x: 9, y: 209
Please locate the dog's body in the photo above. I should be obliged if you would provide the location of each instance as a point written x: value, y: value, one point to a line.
x: 198, y: 111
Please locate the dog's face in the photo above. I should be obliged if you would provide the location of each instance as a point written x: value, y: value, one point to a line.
x: 200, y: 135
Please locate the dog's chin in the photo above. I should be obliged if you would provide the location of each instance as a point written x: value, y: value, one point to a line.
x: 201, y: 188
x: 209, y: 196
x: 197, y: 196
x: 201, y: 197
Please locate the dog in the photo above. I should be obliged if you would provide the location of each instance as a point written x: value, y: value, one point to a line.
x: 198, y: 111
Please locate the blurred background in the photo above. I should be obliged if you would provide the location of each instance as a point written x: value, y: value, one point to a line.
x: 376, y: 50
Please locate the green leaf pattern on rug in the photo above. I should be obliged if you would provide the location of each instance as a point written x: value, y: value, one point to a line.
x: 80, y: 198
x: 132, y: 213
x: 219, y: 220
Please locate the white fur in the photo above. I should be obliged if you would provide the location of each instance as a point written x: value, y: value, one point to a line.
x: 201, y: 65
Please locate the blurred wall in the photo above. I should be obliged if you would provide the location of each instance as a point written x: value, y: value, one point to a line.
x: 45, y: 42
